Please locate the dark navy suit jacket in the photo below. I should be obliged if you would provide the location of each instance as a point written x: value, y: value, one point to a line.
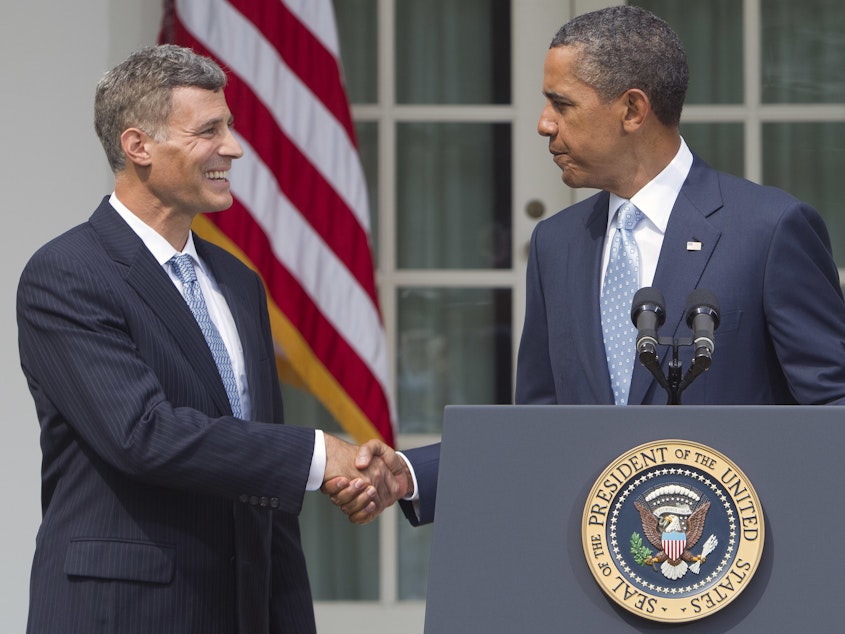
x: 766, y: 257
x: 161, y: 512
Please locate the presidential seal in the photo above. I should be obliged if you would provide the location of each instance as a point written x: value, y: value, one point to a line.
x: 672, y: 531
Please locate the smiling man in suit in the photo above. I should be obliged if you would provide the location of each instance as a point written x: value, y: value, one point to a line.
x: 170, y: 486
x: 614, y: 82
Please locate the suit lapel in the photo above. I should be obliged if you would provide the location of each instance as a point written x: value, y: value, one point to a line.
x: 242, y: 306
x: 589, y: 295
x: 152, y: 284
x: 690, y: 240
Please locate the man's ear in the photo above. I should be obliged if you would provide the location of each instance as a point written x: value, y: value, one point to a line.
x: 134, y: 142
x: 637, y: 107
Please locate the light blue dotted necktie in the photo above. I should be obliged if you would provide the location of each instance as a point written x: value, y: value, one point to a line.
x: 183, y: 266
x: 621, y: 281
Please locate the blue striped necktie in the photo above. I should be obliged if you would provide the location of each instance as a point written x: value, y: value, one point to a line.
x: 183, y: 266
x: 621, y: 281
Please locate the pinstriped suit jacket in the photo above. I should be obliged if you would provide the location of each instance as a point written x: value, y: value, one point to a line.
x: 161, y: 512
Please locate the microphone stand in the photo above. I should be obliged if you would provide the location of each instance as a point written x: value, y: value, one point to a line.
x: 675, y: 381
x: 648, y: 313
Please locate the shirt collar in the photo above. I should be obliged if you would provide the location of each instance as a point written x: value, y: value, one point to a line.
x: 658, y: 196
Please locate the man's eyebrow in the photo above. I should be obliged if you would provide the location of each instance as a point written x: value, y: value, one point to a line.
x: 554, y: 96
x: 211, y: 123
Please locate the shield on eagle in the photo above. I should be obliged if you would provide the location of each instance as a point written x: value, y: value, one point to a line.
x: 674, y: 544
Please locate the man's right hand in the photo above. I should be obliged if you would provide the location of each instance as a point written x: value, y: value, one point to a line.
x: 360, y: 496
x: 364, y: 481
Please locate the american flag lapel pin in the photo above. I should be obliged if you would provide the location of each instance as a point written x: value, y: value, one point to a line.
x: 693, y: 245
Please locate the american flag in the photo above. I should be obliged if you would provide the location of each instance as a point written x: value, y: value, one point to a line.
x: 300, y: 216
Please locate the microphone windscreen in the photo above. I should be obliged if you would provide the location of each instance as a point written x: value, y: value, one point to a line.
x: 699, y: 301
x: 648, y: 298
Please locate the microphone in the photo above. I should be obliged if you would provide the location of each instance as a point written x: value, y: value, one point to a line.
x: 648, y: 313
x: 702, y: 316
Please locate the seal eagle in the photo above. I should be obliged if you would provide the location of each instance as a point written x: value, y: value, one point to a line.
x: 673, y: 521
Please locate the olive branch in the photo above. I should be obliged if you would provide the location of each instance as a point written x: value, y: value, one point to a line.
x: 638, y: 550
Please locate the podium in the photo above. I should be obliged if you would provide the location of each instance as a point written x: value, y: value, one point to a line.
x: 507, y: 553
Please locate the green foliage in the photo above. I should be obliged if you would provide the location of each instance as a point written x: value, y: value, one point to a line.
x: 638, y: 550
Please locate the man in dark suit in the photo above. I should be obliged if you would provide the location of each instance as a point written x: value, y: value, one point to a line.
x: 615, y: 82
x: 170, y: 486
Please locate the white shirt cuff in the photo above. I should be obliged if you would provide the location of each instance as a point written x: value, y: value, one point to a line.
x: 318, y: 463
x: 416, y: 494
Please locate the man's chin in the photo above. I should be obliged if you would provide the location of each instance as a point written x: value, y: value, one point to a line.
x: 578, y: 180
x: 219, y: 204
x: 571, y: 180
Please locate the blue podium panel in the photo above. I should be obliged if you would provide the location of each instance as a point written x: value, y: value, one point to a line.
x: 507, y: 554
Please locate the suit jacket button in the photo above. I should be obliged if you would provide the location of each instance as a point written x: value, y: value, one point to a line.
x: 243, y: 497
x: 253, y: 500
x: 274, y: 503
x: 264, y: 501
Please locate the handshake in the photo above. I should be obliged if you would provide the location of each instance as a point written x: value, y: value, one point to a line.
x: 363, y: 481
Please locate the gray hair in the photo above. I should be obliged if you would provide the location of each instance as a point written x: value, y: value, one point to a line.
x: 628, y: 47
x: 137, y: 93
